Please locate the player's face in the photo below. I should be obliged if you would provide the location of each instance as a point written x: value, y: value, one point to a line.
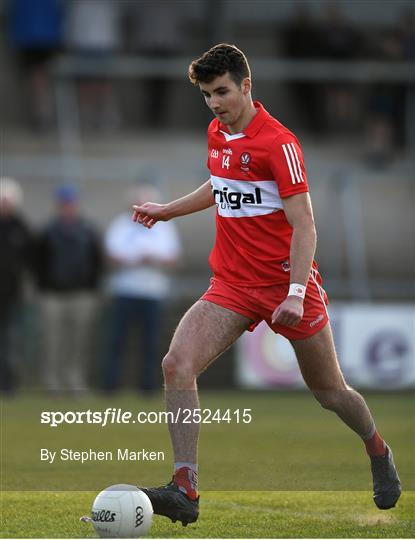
x: 227, y: 100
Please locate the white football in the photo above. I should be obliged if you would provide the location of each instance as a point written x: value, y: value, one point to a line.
x: 122, y: 511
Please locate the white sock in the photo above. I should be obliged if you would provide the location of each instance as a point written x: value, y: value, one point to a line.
x: 180, y: 464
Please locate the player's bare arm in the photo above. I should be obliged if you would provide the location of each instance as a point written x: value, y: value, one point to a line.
x: 299, y: 213
x: 149, y: 213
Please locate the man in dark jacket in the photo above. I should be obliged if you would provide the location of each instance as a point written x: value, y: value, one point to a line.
x: 15, y: 259
x: 69, y: 263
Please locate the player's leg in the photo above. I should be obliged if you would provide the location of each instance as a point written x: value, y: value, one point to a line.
x: 7, y: 324
x: 150, y: 319
x: 320, y: 368
x: 204, y: 332
x: 321, y: 371
x: 120, y: 319
x: 81, y: 310
x: 53, y: 309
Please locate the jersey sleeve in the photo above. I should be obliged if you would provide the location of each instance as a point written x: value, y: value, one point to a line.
x: 211, y: 128
x: 287, y: 166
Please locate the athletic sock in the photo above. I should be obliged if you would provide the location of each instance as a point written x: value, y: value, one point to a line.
x: 375, y: 446
x: 180, y: 464
x: 185, y: 477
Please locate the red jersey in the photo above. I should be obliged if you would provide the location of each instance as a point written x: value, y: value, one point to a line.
x: 251, y: 172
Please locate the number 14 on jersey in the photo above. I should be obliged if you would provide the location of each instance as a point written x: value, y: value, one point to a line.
x: 226, y: 162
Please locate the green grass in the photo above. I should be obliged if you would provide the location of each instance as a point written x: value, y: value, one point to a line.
x: 223, y: 515
x: 295, y: 471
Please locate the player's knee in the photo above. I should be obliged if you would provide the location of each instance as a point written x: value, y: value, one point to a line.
x: 169, y: 366
x: 330, y: 399
x: 177, y: 369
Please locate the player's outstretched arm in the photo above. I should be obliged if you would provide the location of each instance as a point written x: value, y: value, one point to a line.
x: 149, y: 213
x: 299, y: 214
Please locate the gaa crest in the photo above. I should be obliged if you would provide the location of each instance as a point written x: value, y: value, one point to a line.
x: 245, y: 160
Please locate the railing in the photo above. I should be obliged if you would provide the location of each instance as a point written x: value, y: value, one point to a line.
x: 262, y: 68
x: 67, y: 68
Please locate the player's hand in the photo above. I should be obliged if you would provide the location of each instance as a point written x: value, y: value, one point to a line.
x: 289, y: 312
x: 149, y: 213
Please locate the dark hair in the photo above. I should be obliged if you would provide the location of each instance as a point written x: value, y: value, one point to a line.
x: 217, y: 61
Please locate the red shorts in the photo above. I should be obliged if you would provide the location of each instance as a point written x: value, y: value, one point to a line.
x: 259, y: 303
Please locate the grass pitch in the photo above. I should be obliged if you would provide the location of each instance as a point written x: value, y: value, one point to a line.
x: 295, y: 471
x: 223, y: 515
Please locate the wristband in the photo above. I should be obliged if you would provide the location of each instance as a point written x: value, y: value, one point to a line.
x: 296, y: 289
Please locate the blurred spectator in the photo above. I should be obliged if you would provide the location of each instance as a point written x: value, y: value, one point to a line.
x: 339, y: 41
x: 386, y: 104
x: 159, y: 32
x: 385, y: 127
x: 301, y: 33
x: 407, y: 34
x: 301, y: 41
x: 35, y: 32
x: 69, y: 263
x: 138, y: 284
x: 15, y: 259
x: 93, y: 33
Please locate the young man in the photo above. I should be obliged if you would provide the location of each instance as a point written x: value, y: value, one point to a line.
x: 263, y: 269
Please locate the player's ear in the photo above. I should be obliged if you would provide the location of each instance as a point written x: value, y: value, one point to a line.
x: 246, y: 85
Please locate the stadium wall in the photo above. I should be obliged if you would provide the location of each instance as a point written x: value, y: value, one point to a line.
x: 375, y: 344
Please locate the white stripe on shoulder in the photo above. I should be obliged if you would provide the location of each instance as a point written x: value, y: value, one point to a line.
x: 287, y: 157
x: 294, y: 164
x: 298, y: 162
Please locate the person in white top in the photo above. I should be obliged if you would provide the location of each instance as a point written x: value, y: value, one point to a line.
x: 138, y: 284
